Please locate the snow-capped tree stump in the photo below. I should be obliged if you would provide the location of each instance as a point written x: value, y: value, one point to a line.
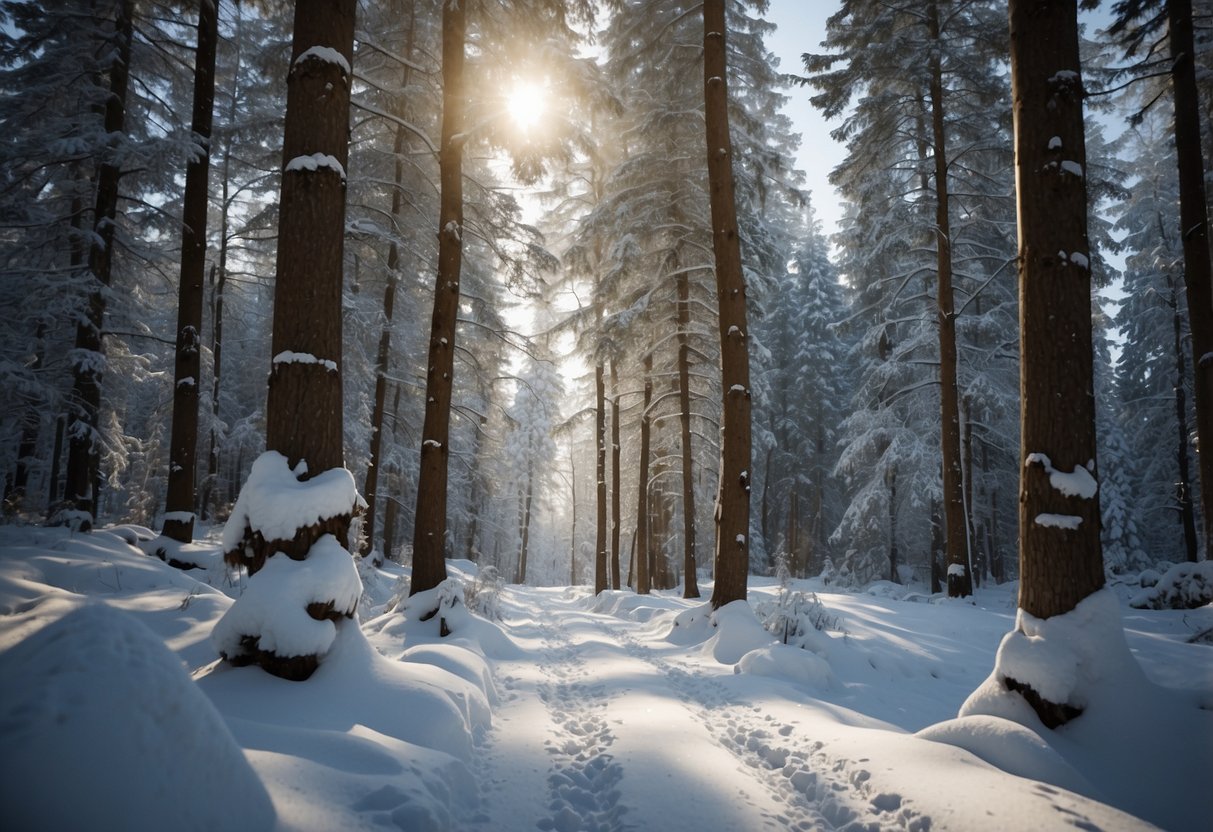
x: 292, y: 536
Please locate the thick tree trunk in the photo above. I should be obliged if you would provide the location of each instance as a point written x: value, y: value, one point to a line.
x: 1061, y: 560
x: 429, y: 533
x: 642, y: 538
x: 383, y: 356
x: 187, y: 370
x: 1194, y: 234
x: 600, y: 492
x: 616, y: 486
x: 960, y: 579
x: 732, y: 561
x: 690, y: 585
x: 84, y: 452
x: 305, y: 374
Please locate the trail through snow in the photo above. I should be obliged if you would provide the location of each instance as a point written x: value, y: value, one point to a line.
x: 631, y: 740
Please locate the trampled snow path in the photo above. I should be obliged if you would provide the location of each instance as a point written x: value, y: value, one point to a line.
x: 604, y: 733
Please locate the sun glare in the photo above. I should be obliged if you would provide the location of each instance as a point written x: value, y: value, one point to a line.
x: 526, y: 104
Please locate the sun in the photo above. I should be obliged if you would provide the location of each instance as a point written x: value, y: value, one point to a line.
x: 526, y: 104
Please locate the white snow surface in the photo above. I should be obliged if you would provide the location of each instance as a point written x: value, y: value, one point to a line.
x: 580, y: 712
x: 292, y: 357
x: 1059, y: 521
x: 275, y: 502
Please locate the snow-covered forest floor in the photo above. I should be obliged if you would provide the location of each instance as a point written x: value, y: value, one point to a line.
x: 568, y: 712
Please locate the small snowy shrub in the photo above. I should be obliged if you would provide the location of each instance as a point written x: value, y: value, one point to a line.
x: 1184, y: 586
x: 483, y: 595
x: 793, y: 614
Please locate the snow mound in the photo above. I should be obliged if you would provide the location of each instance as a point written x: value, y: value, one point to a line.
x: 274, y: 605
x: 96, y: 705
x: 1149, y: 748
x: 1012, y: 748
x: 1185, y: 586
x: 458, y: 660
x: 623, y: 603
x: 355, y: 685
x: 738, y: 631
x: 794, y: 664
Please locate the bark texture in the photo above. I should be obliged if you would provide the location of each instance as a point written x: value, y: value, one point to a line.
x: 956, y: 539
x: 82, y: 482
x: 733, y: 499
x: 429, y: 531
x: 1061, y: 561
x: 1194, y: 234
x: 187, y: 368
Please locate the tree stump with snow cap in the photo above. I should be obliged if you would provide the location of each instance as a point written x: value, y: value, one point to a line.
x: 292, y: 536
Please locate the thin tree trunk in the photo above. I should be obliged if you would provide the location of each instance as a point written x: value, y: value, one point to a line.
x: 960, y: 579
x: 187, y: 371
x: 1061, y: 559
x: 383, y: 356
x: 733, y: 500
x: 573, y: 530
x: 642, y: 541
x: 600, y: 492
x: 429, y: 559
x: 17, y: 481
x: 616, y: 484
x: 690, y: 585
x: 1194, y: 234
x: 526, y: 519
x: 891, y: 480
x: 1184, y: 485
x: 84, y: 451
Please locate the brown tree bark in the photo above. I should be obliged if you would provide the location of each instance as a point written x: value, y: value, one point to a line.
x: 600, y: 534
x: 1194, y: 234
x: 616, y: 487
x: 641, y: 540
x: 383, y: 356
x: 1061, y: 560
x: 303, y: 404
x: 187, y: 370
x: 1187, y: 519
x: 732, y: 561
x: 84, y: 454
x: 956, y: 539
x: 690, y: 587
x: 429, y: 531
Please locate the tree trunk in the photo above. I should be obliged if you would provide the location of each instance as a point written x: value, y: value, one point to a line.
x: 1184, y: 485
x: 691, y: 585
x: 429, y: 533
x: 600, y: 533
x: 616, y: 486
x: 573, y: 530
x: 891, y: 481
x: 187, y: 370
x: 526, y: 519
x: 1194, y: 234
x: 732, y: 561
x: 383, y: 356
x: 305, y: 375
x: 1061, y: 560
x: 960, y: 579
x: 84, y: 452
x: 642, y: 540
